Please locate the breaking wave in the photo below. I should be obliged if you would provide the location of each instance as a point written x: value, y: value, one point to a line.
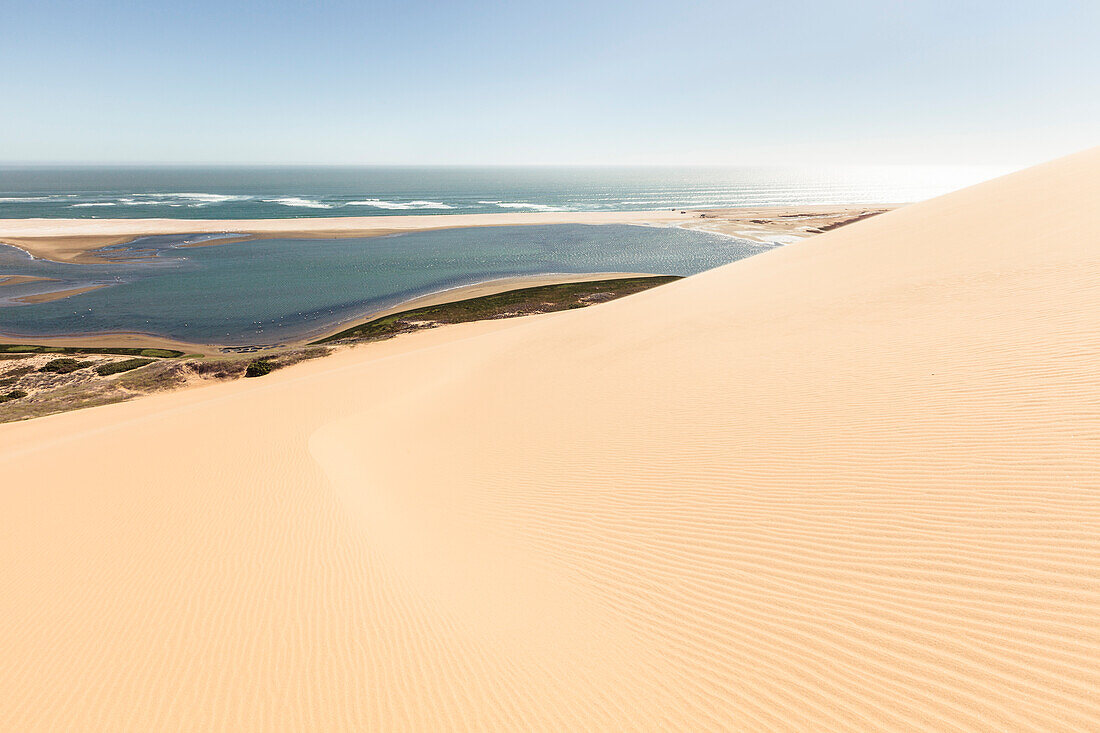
x: 380, y: 204
x: 299, y: 202
x: 532, y: 207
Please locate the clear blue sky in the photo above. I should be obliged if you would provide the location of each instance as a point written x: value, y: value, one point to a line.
x: 408, y: 81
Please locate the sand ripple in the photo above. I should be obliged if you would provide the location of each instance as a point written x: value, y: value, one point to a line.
x: 850, y: 484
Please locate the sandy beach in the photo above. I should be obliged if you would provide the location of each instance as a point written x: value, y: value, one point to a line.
x: 73, y: 240
x: 848, y: 484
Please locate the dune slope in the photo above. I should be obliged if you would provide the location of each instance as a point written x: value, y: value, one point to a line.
x: 852, y: 484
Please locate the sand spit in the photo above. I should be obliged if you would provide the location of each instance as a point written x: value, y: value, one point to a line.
x: 850, y: 484
x: 476, y: 290
x: 74, y: 240
x: 781, y: 224
x: 21, y: 279
x: 57, y: 294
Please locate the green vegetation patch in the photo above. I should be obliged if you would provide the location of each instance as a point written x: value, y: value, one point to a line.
x: 64, y: 366
x: 116, y: 367
x: 159, y: 353
x: 15, y: 394
x: 509, y: 304
x: 259, y: 368
x: 110, y: 350
x: 30, y: 349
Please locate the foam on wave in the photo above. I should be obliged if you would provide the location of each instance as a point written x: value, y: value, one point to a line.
x: 298, y: 202
x: 209, y: 198
x: 381, y: 204
x: 533, y: 207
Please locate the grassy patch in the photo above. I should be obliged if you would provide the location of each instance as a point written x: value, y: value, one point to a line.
x: 110, y: 350
x: 509, y: 304
x: 160, y: 353
x: 155, y: 377
x: 116, y: 367
x: 64, y: 366
x: 11, y: 376
x: 62, y: 399
x: 217, y: 368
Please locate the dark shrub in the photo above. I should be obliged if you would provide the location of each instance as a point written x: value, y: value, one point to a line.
x: 258, y: 368
x: 13, y: 395
x: 64, y: 366
x: 115, y: 367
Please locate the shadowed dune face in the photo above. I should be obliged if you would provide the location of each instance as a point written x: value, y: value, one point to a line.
x: 849, y: 484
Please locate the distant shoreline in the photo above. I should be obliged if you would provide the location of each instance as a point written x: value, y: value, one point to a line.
x: 75, y: 240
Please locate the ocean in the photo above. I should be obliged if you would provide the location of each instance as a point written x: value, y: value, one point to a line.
x: 277, y: 192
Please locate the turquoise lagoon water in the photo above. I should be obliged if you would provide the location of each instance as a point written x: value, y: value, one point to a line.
x: 275, y: 290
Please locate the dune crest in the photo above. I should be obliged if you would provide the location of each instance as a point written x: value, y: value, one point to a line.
x: 851, y: 484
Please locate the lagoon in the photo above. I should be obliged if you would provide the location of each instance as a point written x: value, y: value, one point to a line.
x: 272, y: 291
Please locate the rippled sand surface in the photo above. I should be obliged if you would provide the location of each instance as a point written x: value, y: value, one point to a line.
x: 850, y: 484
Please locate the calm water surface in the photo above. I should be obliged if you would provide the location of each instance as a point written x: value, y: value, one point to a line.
x: 275, y: 290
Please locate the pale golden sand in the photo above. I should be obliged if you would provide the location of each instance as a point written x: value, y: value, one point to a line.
x: 851, y: 484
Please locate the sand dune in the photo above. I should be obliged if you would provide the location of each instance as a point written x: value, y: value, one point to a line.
x: 851, y: 484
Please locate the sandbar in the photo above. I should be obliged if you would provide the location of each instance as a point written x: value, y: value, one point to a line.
x: 57, y: 294
x: 75, y: 240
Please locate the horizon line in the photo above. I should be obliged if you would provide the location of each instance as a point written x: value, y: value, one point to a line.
x: 202, y: 164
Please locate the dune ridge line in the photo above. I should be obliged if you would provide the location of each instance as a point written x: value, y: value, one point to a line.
x: 849, y: 484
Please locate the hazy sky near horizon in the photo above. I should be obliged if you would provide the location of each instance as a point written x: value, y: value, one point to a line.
x: 571, y: 82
